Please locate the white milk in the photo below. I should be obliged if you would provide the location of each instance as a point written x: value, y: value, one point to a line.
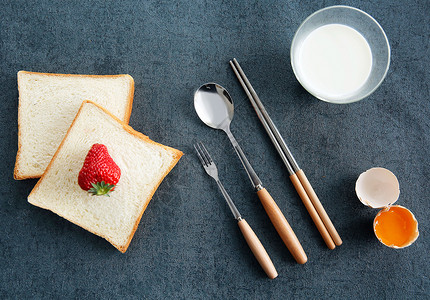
x: 334, y: 61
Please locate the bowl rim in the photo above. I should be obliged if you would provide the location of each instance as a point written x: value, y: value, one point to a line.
x: 371, y: 19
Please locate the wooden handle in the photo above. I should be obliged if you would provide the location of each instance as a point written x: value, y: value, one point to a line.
x: 319, y: 208
x: 282, y: 227
x: 258, y: 249
x: 312, y: 212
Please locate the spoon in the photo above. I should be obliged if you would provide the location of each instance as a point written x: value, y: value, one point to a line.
x: 214, y: 106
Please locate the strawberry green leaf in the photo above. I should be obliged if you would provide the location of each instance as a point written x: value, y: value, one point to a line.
x: 101, y: 188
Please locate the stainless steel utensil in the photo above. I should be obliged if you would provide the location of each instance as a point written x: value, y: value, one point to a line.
x: 214, y: 106
x: 297, y: 176
x: 250, y: 237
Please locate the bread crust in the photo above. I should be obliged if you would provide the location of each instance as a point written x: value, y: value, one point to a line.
x: 16, y: 171
x: 16, y: 174
x: 177, y: 154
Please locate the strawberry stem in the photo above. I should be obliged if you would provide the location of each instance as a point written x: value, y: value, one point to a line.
x: 101, y: 188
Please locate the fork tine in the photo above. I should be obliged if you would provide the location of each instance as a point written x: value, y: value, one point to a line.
x: 206, y: 153
x: 203, y: 153
x: 199, y: 155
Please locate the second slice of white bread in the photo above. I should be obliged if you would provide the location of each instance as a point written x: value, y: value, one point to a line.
x: 143, y: 165
x: 49, y: 102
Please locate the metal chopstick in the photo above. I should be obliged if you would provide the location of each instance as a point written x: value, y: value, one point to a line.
x: 297, y: 176
x: 258, y: 106
x: 264, y: 122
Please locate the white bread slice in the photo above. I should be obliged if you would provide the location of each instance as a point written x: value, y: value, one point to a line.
x: 143, y: 165
x: 49, y: 102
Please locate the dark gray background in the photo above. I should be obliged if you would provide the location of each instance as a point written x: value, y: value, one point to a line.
x: 188, y: 245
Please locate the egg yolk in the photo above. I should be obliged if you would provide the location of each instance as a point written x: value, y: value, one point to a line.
x: 395, y: 226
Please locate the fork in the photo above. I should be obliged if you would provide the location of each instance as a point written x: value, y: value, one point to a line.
x: 249, y: 235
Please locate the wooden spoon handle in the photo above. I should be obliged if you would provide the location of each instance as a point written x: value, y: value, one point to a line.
x: 282, y: 227
x: 312, y: 212
x: 319, y: 208
x: 258, y: 249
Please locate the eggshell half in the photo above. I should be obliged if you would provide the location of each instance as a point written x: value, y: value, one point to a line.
x: 396, y: 227
x: 377, y: 187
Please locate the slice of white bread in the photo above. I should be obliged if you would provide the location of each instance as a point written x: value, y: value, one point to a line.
x: 143, y: 165
x: 49, y: 102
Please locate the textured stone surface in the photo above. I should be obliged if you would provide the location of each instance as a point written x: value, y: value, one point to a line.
x: 187, y: 245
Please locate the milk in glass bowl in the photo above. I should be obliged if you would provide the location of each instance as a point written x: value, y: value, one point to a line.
x: 340, y: 54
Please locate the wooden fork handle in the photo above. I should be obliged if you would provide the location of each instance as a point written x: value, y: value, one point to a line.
x: 282, y: 227
x: 258, y: 249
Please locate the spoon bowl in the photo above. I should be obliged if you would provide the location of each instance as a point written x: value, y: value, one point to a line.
x: 214, y: 106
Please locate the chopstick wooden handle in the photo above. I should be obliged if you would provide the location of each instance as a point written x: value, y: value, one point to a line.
x: 319, y: 208
x: 258, y: 249
x: 282, y: 227
x: 312, y: 212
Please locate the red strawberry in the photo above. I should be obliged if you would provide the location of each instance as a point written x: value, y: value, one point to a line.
x: 100, y: 173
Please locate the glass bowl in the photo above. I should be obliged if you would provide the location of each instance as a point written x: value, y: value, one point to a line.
x: 364, y: 24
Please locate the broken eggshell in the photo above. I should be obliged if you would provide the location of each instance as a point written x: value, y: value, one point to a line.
x: 396, y: 227
x: 377, y: 188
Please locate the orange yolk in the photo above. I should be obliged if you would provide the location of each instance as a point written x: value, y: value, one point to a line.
x: 395, y: 226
